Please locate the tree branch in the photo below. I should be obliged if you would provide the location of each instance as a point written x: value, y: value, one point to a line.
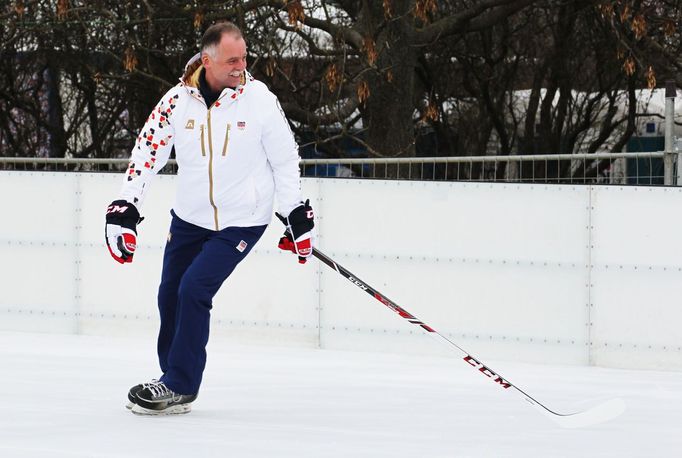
x: 484, y: 14
x: 349, y: 35
x: 296, y: 113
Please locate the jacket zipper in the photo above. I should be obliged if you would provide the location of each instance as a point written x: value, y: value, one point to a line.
x: 210, y: 165
x: 210, y: 173
x: 227, y: 137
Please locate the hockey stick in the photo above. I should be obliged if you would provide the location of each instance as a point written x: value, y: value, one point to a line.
x: 598, y: 414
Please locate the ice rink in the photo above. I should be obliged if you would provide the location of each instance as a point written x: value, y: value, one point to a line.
x: 64, y: 396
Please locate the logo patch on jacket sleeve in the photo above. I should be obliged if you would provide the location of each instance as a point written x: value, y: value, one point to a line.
x: 190, y: 124
x: 241, y: 125
x: 242, y: 246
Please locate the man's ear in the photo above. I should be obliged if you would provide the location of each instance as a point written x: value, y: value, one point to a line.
x: 205, y: 60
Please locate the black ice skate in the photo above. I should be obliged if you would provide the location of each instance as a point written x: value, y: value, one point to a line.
x: 158, y: 399
x: 132, y: 393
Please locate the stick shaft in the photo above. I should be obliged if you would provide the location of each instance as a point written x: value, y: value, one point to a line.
x: 471, y: 360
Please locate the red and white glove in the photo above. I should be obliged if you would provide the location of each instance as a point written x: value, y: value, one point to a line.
x: 298, y: 236
x: 121, y: 230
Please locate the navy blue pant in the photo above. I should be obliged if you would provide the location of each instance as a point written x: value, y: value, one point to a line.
x: 196, y: 262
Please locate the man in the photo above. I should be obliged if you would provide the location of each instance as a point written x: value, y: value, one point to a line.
x: 235, y: 151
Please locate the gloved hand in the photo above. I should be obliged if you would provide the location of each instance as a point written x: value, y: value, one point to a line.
x: 121, y: 230
x: 297, y: 237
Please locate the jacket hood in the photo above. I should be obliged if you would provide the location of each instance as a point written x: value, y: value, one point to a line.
x: 190, y: 77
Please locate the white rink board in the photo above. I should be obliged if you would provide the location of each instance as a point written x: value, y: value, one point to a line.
x: 462, y: 220
x: 637, y: 277
x: 450, y: 254
x: 637, y: 226
x: 491, y: 310
x: 545, y: 273
x: 39, y: 207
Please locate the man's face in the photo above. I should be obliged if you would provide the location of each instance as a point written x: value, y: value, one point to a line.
x: 227, y: 68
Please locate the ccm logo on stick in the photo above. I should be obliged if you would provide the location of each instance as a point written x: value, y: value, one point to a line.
x: 358, y: 283
x: 487, y: 372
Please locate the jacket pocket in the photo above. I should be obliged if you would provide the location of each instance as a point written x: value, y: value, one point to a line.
x: 227, y: 139
x: 203, y: 148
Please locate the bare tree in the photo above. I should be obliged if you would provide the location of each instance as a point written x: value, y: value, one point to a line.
x: 79, y: 78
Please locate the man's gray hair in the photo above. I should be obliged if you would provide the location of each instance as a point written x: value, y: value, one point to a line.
x: 211, y: 38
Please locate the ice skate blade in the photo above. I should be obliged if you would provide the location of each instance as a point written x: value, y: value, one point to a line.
x: 172, y: 410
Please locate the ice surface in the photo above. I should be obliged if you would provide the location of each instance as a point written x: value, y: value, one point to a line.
x: 64, y: 396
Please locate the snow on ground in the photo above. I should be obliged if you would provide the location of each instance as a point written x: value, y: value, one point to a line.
x: 64, y: 396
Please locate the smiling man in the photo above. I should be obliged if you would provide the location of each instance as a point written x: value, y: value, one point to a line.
x: 235, y: 153
x: 224, y: 61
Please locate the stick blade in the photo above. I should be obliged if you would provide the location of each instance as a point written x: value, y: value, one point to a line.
x: 598, y: 414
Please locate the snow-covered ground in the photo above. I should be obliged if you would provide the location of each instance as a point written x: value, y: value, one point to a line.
x: 64, y: 396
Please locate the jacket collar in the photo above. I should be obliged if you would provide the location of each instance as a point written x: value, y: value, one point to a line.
x: 190, y: 80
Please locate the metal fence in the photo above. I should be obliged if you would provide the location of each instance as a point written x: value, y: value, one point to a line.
x: 635, y: 168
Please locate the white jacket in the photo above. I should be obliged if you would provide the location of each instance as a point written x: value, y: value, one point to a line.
x: 232, y: 157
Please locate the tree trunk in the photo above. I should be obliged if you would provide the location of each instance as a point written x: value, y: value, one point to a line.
x: 55, y: 115
x: 390, y: 106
